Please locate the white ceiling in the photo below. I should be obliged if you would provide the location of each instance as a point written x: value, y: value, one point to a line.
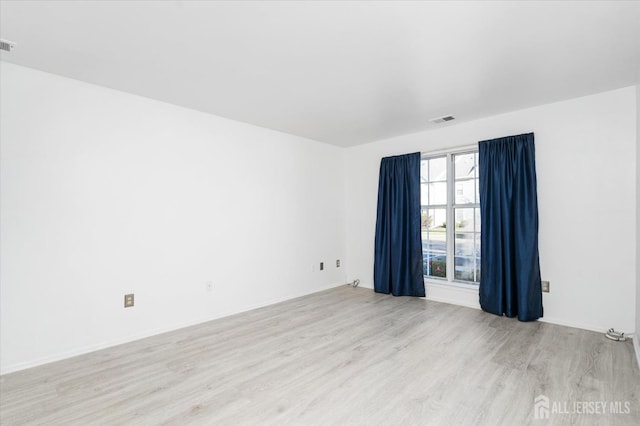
x: 344, y: 73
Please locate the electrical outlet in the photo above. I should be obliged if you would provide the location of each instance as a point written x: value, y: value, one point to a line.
x: 338, y: 263
x: 128, y: 300
x: 322, y: 266
x: 545, y: 286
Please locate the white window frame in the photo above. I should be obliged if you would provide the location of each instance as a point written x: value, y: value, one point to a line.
x: 451, y: 196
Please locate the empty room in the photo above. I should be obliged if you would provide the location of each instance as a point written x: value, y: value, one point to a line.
x: 319, y: 212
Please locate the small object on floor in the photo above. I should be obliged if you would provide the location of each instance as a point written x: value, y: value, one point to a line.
x: 615, y: 335
x: 355, y: 283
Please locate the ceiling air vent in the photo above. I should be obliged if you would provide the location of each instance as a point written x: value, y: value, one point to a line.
x: 442, y: 119
x: 7, y: 45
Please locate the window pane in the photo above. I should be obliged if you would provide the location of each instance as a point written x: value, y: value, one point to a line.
x: 477, y: 257
x: 465, y: 166
x: 428, y: 217
x: 438, y: 221
x: 437, y: 193
x: 465, y: 219
x: 434, y: 265
x: 466, y: 192
x: 424, y: 194
x: 438, y: 169
x: 464, y: 244
x: 467, y: 244
x: 424, y: 170
x: 464, y: 268
x: 434, y: 243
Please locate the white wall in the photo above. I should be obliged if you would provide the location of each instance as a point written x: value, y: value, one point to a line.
x: 104, y: 193
x: 586, y: 168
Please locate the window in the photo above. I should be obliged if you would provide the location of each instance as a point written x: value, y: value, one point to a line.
x: 450, y: 200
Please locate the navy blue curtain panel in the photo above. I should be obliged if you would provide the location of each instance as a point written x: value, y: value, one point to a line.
x: 510, y: 279
x: 398, y: 246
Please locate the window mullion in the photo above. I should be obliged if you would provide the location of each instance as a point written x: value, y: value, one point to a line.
x: 451, y: 224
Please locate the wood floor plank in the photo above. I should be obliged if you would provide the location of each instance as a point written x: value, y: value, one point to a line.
x: 342, y: 356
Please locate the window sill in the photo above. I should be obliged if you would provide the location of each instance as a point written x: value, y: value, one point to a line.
x: 450, y: 284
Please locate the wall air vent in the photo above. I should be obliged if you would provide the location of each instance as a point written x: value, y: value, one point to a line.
x: 7, y: 45
x: 442, y: 119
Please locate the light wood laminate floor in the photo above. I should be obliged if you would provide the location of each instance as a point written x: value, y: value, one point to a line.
x: 343, y: 356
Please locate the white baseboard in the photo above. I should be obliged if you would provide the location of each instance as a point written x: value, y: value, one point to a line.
x: 148, y: 333
x: 582, y: 326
